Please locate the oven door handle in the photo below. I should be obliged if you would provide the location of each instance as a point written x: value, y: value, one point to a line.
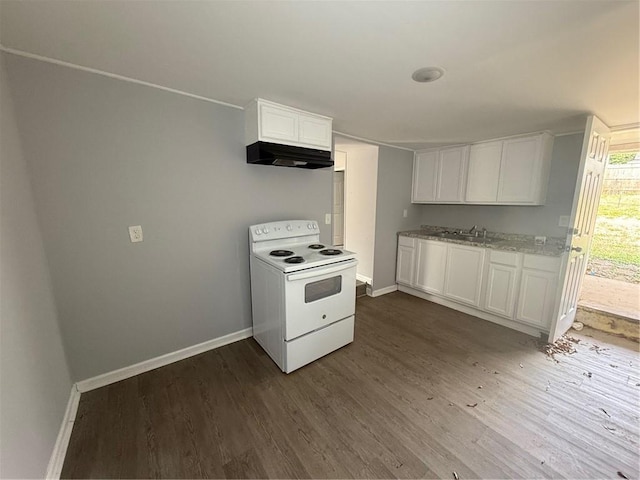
x: 316, y: 272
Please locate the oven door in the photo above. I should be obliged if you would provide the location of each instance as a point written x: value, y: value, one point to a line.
x: 318, y: 297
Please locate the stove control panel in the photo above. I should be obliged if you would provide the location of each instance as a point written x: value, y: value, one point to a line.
x: 285, y: 229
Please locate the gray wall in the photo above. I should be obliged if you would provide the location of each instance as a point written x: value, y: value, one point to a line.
x: 541, y: 220
x: 34, y: 378
x: 104, y: 154
x: 395, y: 169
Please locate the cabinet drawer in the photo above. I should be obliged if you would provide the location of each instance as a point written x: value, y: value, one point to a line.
x: 504, y: 258
x: 406, y: 241
x: 540, y: 262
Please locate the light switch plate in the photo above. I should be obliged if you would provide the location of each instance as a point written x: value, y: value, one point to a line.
x: 564, y: 221
x: 327, y: 219
x: 404, y: 213
x: 135, y: 233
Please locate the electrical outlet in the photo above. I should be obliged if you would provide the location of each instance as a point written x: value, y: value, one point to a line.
x: 327, y: 219
x: 564, y: 221
x: 135, y: 233
x: 540, y: 240
x: 404, y: 213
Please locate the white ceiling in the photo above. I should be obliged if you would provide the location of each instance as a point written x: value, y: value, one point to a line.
x: 511, y: 67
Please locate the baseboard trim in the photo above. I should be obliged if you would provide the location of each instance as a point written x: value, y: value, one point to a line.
x: 153, y: 363
x: 529, y: 330
x: 384, y: 291
x: 364, y: 279
x: 54, y: 469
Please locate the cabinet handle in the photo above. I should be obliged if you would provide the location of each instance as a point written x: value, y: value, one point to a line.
x: 576, y: 249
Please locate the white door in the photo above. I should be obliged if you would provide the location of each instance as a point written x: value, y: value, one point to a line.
x: 338, y: 208
x: 583, y: 218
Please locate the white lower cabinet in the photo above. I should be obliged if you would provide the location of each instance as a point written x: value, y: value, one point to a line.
x: 538, y: 290
x: 405, y: 266
x: 501, y: 282
x: 463, y: 277
x: 431, y: 259
x: 515, y: 286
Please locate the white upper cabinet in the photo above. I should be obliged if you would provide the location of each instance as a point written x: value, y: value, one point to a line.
x: 439, y: 175
x: 278, y: 124
x: 514, y: 171
x: 425, y: 171
x: 524, y: 171
x: 314, y: 130
x: 452, y: 170
x: 270, y: 122
x: 483, y: 174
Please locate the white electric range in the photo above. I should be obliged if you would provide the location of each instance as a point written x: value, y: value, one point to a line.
x: 302, y: 292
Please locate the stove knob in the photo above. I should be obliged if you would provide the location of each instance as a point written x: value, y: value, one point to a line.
x: 315, y: 226
x: 289, y: 227
x: 309, y: 226
x: 258, y: 231
x: 265, y: 230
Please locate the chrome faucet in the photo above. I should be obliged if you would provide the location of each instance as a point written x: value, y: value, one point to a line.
x: 473, y: 229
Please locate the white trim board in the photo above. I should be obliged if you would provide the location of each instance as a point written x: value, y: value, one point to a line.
x: 529, y: 330
x: 34, y: 56
x: 384, y: 291
x: 54, y: 469
x: 362, y: 278
x: 153, y: 363
x: 374, y: 142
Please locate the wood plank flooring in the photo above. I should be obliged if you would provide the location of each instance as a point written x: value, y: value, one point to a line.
x: 424, y: 391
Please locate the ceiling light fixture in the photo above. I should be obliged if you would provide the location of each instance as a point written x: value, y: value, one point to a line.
x: 427, y: 74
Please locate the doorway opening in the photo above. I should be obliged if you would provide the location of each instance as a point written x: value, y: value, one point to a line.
x: 355, y: 185
x: 610, y: 296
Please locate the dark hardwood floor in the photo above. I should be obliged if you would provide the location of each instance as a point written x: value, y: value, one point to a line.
x: 424, y: 391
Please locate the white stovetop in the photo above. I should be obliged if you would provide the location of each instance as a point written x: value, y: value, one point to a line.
x: 312, y: 258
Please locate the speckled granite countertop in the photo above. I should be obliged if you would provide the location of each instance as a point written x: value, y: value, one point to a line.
x: 554, y: 246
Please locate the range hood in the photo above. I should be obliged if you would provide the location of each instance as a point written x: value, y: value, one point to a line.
x: 265, y: 153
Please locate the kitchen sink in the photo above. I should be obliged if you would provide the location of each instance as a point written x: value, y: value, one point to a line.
x: 464, y: 238
x: 471, y: 238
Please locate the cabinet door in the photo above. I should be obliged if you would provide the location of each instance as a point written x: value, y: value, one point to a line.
x: 278, y: 124
x: 463, y: 278
x: 500, y: 291
x: 431, y: 261
x: 425, y: 170
x: 452, y: 163
x: 537, y: 293
x: 483, y: 173
x: 520, y: 170
x: 315, y: 131
x: 406, y: 265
